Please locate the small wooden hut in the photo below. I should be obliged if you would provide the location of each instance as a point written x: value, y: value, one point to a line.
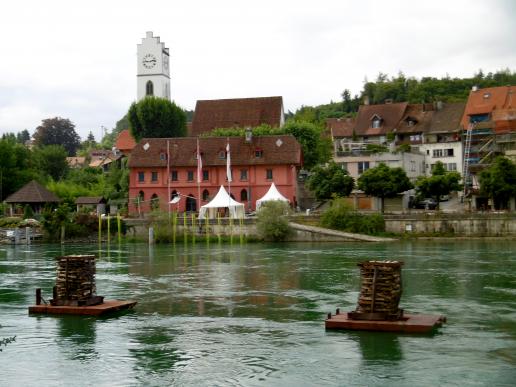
x: 33, y: 194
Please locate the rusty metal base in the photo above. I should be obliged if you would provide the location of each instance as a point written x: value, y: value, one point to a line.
x: 107, y: 306
x: 409, y: 323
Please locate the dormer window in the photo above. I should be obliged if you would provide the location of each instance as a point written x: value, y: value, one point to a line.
x: 487, y: 95
x: 162, y: 156
x: 258, y: 153
x: 222, y: 154
x: 411, y: 121
x: 376, y: 121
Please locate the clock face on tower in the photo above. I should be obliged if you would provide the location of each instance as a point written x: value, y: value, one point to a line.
x: 149, y: 61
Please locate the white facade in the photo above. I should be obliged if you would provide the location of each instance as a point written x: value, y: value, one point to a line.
x: 153, y: 68
x: 412, y: 163
x: 449, y: 153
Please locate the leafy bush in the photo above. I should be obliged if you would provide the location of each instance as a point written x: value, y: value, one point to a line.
x: 10, y: 222
x: 271, y: 223
x: 27, y: 212
x: 341, y: 216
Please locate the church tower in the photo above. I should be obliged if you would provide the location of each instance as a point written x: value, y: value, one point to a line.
x: 153, y: 73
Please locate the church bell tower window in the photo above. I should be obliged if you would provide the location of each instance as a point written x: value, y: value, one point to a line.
x: 149, y: 88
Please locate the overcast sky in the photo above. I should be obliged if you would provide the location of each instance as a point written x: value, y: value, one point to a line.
x: 77, y: 60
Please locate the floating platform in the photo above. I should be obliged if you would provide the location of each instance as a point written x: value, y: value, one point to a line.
x: 107, y: 306
x: 409, y: 323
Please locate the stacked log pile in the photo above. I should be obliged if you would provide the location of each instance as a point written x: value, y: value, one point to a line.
x: 75, y: 282
x: 380, y: 291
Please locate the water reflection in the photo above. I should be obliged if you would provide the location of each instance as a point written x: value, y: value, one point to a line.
x: 77, y: 337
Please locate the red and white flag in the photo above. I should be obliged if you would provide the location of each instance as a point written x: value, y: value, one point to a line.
x: 199, y: 163
x: 228, y: 163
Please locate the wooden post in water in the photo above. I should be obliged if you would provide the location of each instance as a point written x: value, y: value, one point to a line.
x: 100, y: 229
x: 108, y: 229
x: 119, y: 225
x: 38, y: 296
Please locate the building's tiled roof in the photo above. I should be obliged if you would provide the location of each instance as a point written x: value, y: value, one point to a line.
x: 282, y: 149
x: 90, y: 200
x: 76, y: 161
x: 32, y: 192
x: 390, y: 113
x: 420, y: 114
x: 241, y: 112
x: 125, y: 141
x: 485, y: 101
x: 340, y: 127
x: 446, y: 118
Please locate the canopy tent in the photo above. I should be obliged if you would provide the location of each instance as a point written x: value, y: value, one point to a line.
x: 272, y: 194
x: 222, y: 200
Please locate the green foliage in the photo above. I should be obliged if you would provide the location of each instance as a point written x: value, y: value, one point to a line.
x: 58, y: 131
x: 10, y: 222
x: 51, y: 161
x: 27, y: 212
x: 16, y: 167
x: 403, y: 148
x: 439, y: 184
x: 341, y: 216
x: 430, y: 89
x: 384, y: 182
x: 315, y: 150
x: 53, y: 219
x: 499, y: 182
x: 376, y: 148
x: 261, y: 130
x: 272, y: 223
x: 330, y: 180
x: 156, y: 117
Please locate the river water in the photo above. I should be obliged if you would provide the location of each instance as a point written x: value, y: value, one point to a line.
x: 253, y: 315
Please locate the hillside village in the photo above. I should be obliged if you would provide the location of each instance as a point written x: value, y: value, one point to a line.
x: 249, y: 145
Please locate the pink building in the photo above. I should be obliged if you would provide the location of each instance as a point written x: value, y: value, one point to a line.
x: 161, y: 168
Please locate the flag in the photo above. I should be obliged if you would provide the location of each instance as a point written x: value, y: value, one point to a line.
x: 199, y: 164
x: 228, y: 164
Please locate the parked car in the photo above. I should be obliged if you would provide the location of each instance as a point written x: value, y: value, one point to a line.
x: 426, y: 204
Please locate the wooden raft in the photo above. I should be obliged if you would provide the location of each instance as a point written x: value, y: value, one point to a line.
x: 108, y: 306
x: 409, y: 323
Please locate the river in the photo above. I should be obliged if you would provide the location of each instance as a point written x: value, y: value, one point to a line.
x: 253, y: 315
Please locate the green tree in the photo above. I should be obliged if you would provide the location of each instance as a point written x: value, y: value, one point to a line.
x: 156, y: 117
x: 329, y: 181
x: 499, y: 182
x: 23, y: 136
x: 16, y: 166
x: 51, y: 160
x: 315, y: 150
x: 272, y: 223
x: 58, y: 131
x: 384, y: 182
x: 440, y: 183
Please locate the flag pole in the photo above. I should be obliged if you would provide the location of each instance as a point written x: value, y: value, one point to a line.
x: 199, y: 173
x: 168, y: 177
x: 228, y: 173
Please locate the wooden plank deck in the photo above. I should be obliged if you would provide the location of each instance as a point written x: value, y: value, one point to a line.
x: 107, y: 306
x: 410, y: 323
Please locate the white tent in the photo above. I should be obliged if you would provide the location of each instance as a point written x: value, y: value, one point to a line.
x: 222, y: 200
x: 272, y: 194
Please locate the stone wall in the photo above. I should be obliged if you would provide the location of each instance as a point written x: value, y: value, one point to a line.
x: 460, y: 224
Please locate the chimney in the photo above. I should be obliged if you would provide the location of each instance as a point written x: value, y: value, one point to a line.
x: 366, y: 100
x: 474, y: 88
x: 248, y: 135
x: 388, y: 101
x: 439, y: 105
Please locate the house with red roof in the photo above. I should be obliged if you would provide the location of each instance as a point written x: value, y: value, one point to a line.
x: 237, y: 112
x: 163, y: 168
x: 125, y: 142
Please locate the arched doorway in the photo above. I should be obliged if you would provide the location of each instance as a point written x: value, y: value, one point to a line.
x: 191, y: 204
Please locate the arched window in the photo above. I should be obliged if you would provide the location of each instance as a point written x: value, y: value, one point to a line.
x: 243, y: 195
x: 154, y: 202
x: 141, y: 196
x: 191, y: 203
x: 205, y: 195
x: 149, y: 88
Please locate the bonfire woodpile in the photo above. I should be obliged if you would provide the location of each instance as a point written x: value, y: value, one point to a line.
x: 380, y: 291
x: 75, y: 282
